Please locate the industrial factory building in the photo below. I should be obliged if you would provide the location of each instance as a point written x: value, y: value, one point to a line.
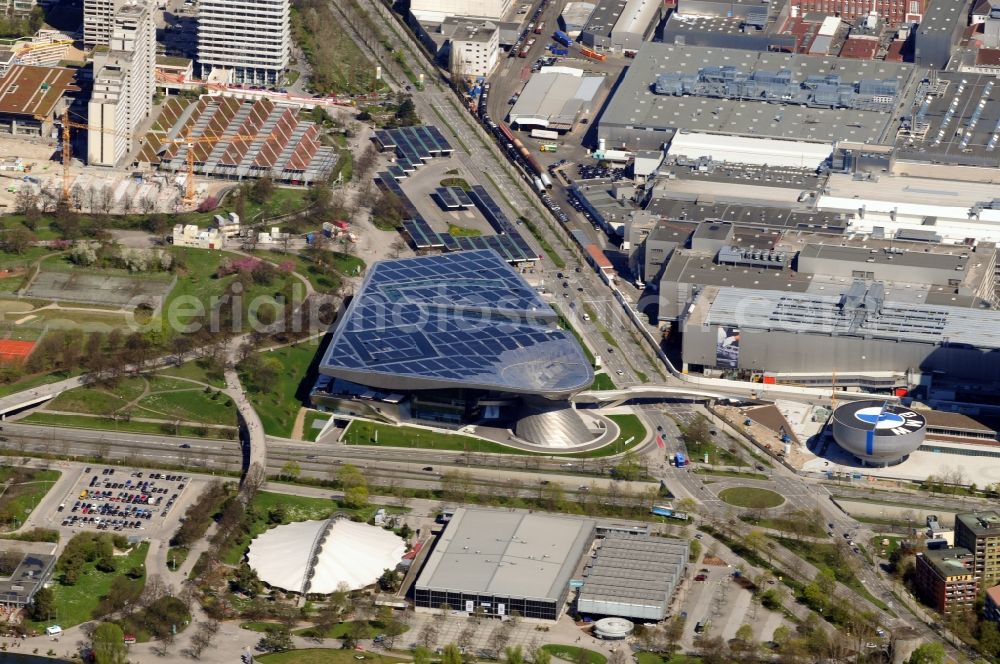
x: 555, y: 98
x: 855, y: 331
x: 727, y: 91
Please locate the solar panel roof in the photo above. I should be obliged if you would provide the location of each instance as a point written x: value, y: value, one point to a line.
x: 463, y: 319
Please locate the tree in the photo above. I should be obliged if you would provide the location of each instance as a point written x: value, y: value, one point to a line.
x: 539, y: 656
x: 406, y: 113
x: 513, y: 655
x: 354, y: 484
x: 782, y: 635
x: 927, y: 653
x: 421, y: 655
x: 694, y: 551
x: 745, y: 633
x: 245, y: 581
x: 387, y: 211
x: 262, y: 190
x: 628, y: 468
x: 451, y: 654
x: 107, y: 642
x: 390, y: 580
x: 278, y: 639
x: 989, y: 639
x: 17, y: 240
x: 356, y: 497
x: 43, y: 604
x: 697, y: 431
x: 291, y: 470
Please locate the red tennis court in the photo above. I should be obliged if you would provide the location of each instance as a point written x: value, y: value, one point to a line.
x: 15, y: 351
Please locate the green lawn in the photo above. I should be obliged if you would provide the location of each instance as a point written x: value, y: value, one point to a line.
x: 748, y: 496
x: 564, y: 323
x: 602, y: 381
x: 76, y: 604
x: 279, y: 403
x: 176, y: 555
x: 309, y: 431
x: 17, y: 500
x: 717, y: 454
x: 339, y: 631
x: 325, y: 656
x: 297, y: 508
x: 195, y: 370
x: 191, y: 405
x: 572, y: 653
x: 456, y: 182
x: 826, y: 556
x: 97, y: 400
x: 885, y: 551
x: 197, y: 283
x: 108, y: 424
x: 657, y: 658
x: 363, y: 432
x: 461, y: 231
x: 260, y: 626
x: 631, y: 428
x: 344, y: 263
x: 788, y: 524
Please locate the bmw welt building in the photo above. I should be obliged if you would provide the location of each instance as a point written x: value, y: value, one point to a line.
x: 457, y: 338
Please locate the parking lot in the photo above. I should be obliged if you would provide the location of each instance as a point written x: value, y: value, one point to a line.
x: 120, y: 500
x: 714, y: 603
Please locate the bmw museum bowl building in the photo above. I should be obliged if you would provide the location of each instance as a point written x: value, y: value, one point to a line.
x: 878, y: 433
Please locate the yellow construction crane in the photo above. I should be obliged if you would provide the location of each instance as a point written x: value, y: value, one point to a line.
x: 188, y: 140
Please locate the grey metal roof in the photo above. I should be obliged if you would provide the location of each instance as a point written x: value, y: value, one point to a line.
x: 635, y: 104
x: 688, y: 267
x: 822, y: 314
x: 755, y: 215
x: 949, y: 123
x: 554, y: 99
x: 604, y: 17
x: 938, y: 260
x: 516, y: 554
x: 31, y: 573
x: 463, y: 319
x: 631, y: 571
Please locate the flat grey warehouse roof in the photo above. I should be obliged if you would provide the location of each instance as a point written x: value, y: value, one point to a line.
x: 756, y: 309
x: 633, y: 578
x: 634, y: 105
x: 939, y: 261
x: 516, y: 554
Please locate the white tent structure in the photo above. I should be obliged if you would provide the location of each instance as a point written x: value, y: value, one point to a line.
x: 317, y: 556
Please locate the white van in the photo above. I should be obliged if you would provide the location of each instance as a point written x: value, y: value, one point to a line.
x: 53, y: 630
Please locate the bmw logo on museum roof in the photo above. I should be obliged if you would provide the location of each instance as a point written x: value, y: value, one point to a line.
x: 878, y: 431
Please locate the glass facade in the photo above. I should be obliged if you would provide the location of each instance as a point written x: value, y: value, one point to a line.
x: 489, y: 605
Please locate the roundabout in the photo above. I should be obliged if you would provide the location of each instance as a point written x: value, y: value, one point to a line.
x: 753, y: 497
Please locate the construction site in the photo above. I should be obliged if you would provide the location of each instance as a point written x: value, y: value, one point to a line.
x: 190, y: 141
